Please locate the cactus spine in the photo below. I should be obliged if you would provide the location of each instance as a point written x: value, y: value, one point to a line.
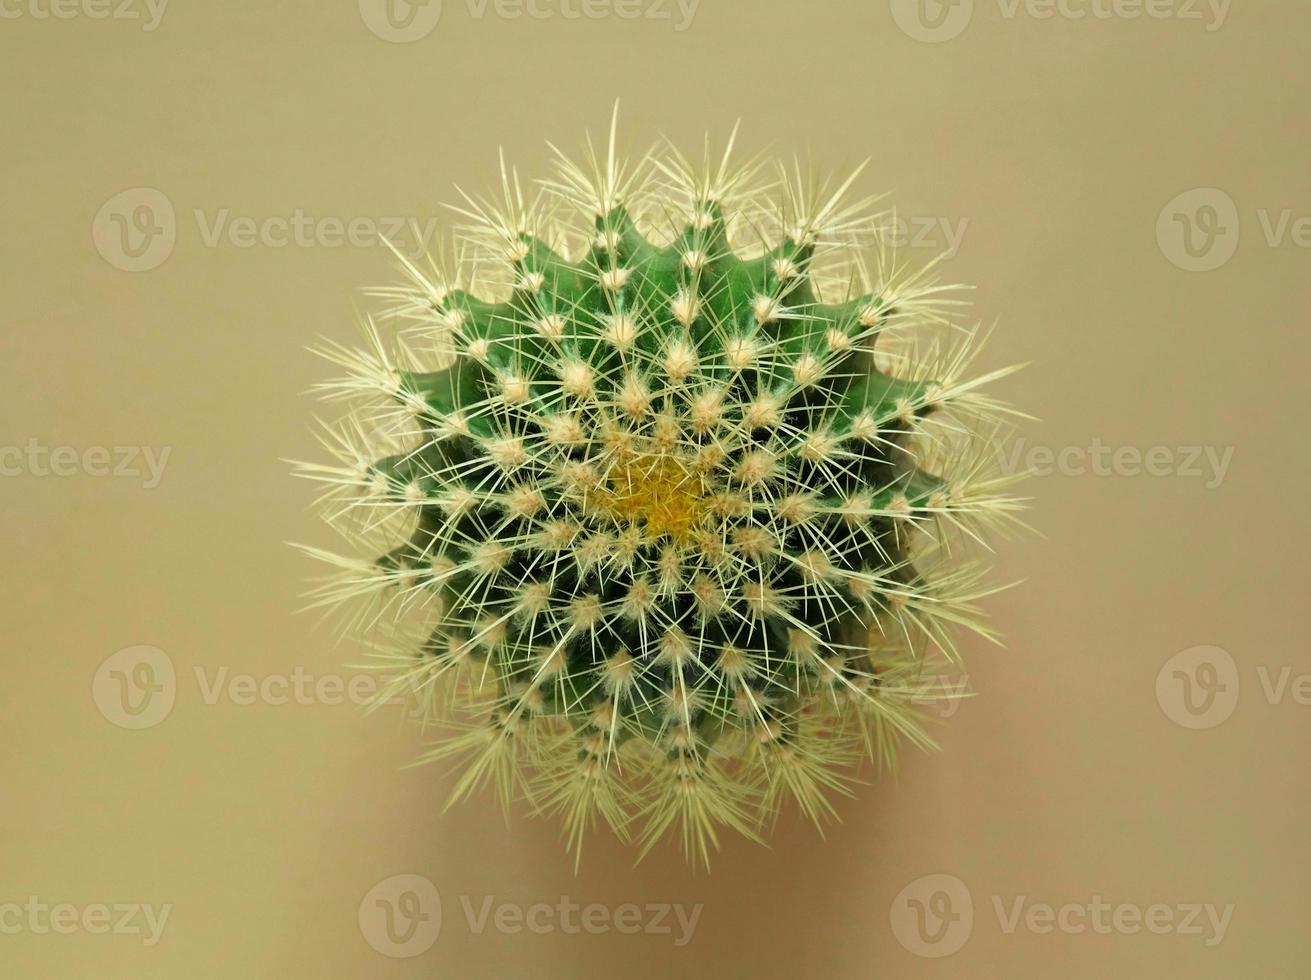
x: 666, y: 467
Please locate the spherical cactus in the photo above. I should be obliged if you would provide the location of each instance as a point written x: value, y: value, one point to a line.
x: 671, y: 468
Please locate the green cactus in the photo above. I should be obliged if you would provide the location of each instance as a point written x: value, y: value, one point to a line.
x: 675, y: 454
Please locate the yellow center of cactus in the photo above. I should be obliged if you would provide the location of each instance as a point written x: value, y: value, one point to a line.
x: 658, y: 491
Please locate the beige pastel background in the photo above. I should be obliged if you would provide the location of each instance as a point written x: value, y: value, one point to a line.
x: 1127, y: 184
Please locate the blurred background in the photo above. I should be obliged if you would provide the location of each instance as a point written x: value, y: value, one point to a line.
x: 194, y: 193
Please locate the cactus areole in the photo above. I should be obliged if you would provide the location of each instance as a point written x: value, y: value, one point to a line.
x: 673, y: 472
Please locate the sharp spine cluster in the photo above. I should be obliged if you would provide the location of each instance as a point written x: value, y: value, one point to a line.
x: 678, y: 452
